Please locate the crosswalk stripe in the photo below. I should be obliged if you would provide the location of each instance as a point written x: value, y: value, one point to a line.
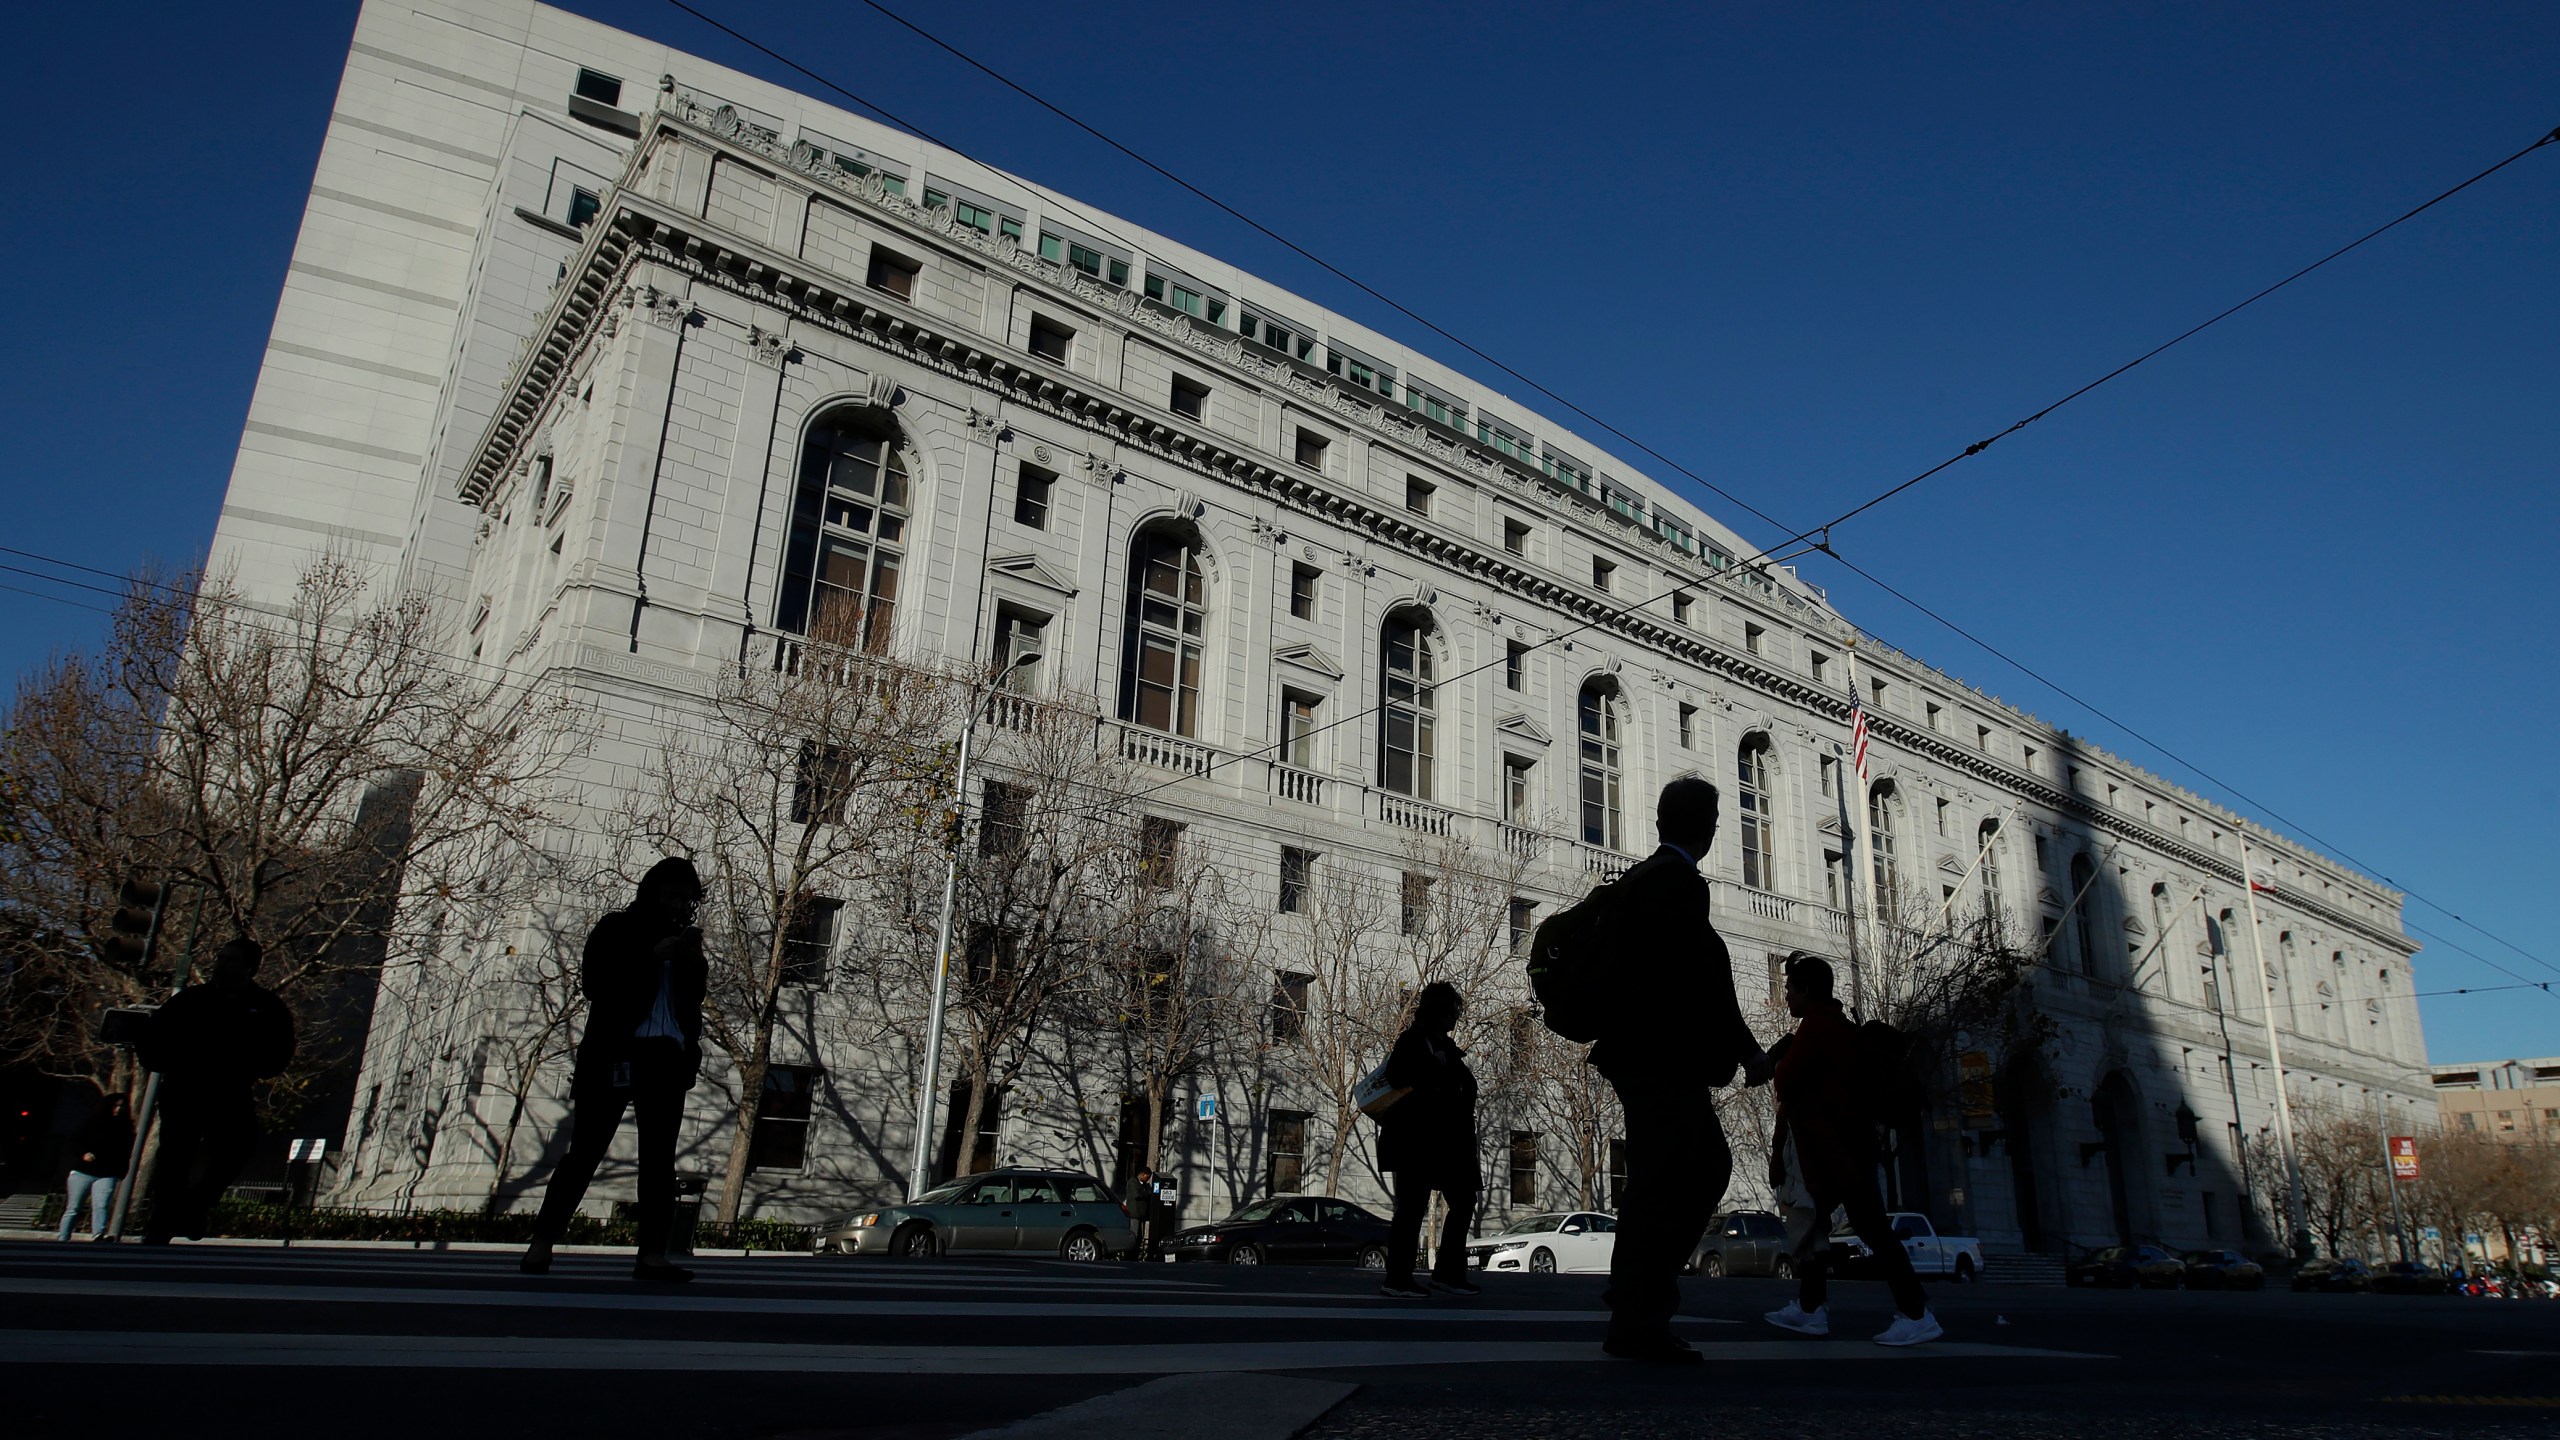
x: 536, y: 1296
x: 32, y: 1347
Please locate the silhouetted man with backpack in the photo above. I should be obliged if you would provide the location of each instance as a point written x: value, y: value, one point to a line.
x: 1637, y: 968
x: 212, y: 1044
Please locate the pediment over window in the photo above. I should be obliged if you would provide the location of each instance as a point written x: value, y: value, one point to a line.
x: 2046, y: 894
x: 1829, y: 824
x: 2135, y: 927
x: 1029, y: 568
x: 1951, y: 865
x: 1523, y: 727
x: 1308, y: 657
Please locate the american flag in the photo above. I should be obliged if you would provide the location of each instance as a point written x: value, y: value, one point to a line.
x: 1858, y: 739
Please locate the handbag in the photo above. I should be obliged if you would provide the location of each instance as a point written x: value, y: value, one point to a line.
x: 1374, y: 1095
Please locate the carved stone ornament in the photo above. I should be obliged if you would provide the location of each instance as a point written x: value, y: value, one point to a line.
x: 1040, y: 454
x: 767, y: 347
x: 981, y: 424
x: 661, y: 307
x: 882, y: 391
x: 1270, y: 534
x: 1187, y: 504
x: 1099, y: 469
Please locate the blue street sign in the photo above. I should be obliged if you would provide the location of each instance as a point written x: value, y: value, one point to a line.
x: 1208, y: 1107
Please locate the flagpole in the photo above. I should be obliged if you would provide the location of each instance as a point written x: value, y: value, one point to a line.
x: 2275, y: 1057
x: 1865, y: 879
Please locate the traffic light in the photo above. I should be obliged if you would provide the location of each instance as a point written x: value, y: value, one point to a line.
x: 136, y: 924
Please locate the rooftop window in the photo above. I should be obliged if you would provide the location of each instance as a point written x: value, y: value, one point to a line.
x: 597, y: 86
x: 1280, y: 335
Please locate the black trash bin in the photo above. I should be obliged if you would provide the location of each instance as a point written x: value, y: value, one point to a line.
x: 688, y: 1216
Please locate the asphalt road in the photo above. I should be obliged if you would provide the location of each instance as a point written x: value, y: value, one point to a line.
x: 234, y: 1340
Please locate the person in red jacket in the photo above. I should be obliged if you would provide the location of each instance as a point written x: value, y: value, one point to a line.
x: 1827, y: 1125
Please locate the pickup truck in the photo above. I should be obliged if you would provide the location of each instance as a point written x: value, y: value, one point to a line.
x: 1956, y: 1257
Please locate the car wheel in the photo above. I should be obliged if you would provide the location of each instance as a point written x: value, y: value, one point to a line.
x: 1373, y: 1257
x: 1964, y: 1269
x: 1245, y: 1255
x: 1711, y: 1265
x: 1542, y: 1261
x: 914, y: 1241
x: 1785, y: 1269
x: 1082, y: 1245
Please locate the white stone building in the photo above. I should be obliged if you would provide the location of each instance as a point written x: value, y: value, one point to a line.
x: 558, y: 339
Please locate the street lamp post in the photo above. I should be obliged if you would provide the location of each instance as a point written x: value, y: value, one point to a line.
x: 929, y: 1078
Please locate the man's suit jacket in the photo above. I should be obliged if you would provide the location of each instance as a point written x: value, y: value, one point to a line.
x: 1673, y: 1012
x: 619, y: 973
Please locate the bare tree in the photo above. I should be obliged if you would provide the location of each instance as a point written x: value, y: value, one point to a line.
x: 325, y: 779
x: 797, y: 788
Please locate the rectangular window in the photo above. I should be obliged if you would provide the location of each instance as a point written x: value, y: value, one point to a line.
x: 1310, y: 451
x: 1159, y: 849
x: 1050, y: 340
x: 583, y: 206
x: 1515, y: 538
x: 1936, y: 716
x: 1834, y: 881
x: 597, y: 86
x: 1829, y: 769
x: 1031, y: 487
x: 993, y: 958
x: 1819, y: 663
x: 1190, y: 400
x: 1679, y: 609
x: 1020, y: 632
x: 1297, y: 872
x: 1515, y: 665
x: 1283, y: 336
x: 1876, y: 688
x: 1289, y: 1004
x: 1289, y: 1150
x: 818, y: 791
x: 1524, y: 1168
x: 1503, y: 438
x: 1302, y: 591
x: 2027, y: 757
x: 1777, y: 982
x: 1519, y: 789
x: 1433, y: 407
x: 1942, y: 817
x: 1753, y: 638
x: 1524, y: 921
x: 1982, y: 738
x: 782, y: 1121
x: 1417, y: 494
x: 1601, y: 571
x: 811, y: 941
x: 1367, y: 374
x: 1004, y: 823
x: 893, y: 274
x: 1689, y: 729
x: 1413, y: 903
x: 1298, y: 711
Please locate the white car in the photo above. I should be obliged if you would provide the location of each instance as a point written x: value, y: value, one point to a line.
x: 1577, y: 1242
x: 1956, y: 1257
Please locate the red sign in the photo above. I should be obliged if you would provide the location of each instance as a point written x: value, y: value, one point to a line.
x: 2404, y: 1157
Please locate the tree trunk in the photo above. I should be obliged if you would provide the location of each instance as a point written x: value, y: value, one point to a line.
x: 751, y: 1075
x: 1344, y: 1116
x: 507, y: 1145
x: 970, y: 1119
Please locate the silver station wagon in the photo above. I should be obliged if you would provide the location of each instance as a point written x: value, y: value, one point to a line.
x: 1009, y: 1211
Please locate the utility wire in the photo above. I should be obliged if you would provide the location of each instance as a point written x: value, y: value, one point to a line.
x: 2092, y: 707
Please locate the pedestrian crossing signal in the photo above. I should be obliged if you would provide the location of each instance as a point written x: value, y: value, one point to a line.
x: 136, y: 923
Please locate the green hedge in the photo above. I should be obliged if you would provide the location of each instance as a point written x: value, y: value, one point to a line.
x: 259, y: 1220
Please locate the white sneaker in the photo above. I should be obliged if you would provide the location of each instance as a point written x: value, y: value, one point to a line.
x: 1817, y: 1323
x: 1906, y: 1331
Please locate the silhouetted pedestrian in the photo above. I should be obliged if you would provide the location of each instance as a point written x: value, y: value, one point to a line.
x: 1142, y: 1210
x: 644, y: 978
x: 212, y: 1043
x: 1427, y: 1142
x: 1672, y: 1035
x: 1826, y: 1123
x: 98, y: 1165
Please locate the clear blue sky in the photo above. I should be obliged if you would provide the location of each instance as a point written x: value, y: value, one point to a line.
x: 1806, y: 250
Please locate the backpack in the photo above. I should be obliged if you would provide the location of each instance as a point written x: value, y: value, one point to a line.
x: 1569, y: 963
x: 1884, y: 1073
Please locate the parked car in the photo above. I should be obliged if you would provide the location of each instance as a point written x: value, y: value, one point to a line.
x: 1572, y: 1243
x: 1048, y: 1212
x: 2127, y: 1267
x: 1287, y: 1230
x: 1958, y: 1258
x: 2223, y: 1270
x: 1745, y: 1242
x: 2333, y: 1277
x: 2409, y: 1277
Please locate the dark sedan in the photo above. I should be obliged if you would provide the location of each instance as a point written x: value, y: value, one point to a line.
x: 2408, y: 1277
x: 1288, y: 1230
x: 2223, y: 1270
x: 2334, y: 1277
x: 2125, y: 1267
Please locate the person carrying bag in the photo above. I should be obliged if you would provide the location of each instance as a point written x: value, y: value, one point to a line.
x: 1424, y: 1100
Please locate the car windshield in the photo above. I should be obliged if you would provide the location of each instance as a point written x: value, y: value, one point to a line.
x: 1535, y: 1225
x: 1259, y: 1210
x: 944, y: 1194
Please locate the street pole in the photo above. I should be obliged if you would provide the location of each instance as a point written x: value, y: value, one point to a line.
x: 1865, y: 878
x: 2391, y: 1177
x: 2275, y: 1057
x: 929, y: 1078
x: 151, y: 1082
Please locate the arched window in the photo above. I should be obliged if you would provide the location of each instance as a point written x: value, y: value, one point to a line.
x: 1598, y: 714
x: 1753, y: 797
x: 1408, y: 676
x: 1880, y: 809
x: 2084, y: 903
x: 848, y: 532
x: 1987, y: 842
x: 1168, y: 616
